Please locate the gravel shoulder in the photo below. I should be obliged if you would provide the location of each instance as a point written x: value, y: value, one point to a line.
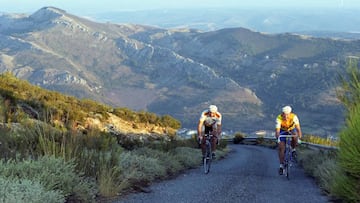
x: 247, y: 174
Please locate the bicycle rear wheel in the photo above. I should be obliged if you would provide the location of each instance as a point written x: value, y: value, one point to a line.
x: 207, y: 159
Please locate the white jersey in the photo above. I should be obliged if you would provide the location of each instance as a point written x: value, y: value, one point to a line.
x: 209, y: 120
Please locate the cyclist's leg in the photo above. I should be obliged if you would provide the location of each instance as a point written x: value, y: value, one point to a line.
x: 281, y: 156
x: 281, y: 152
x: 203, y: 147
x: 213, y: 143
x: 294, y: 142
x: 281, y: 146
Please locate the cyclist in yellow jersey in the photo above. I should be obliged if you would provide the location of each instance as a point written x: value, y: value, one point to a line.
x: 287, y: 122
x: 210, y: 121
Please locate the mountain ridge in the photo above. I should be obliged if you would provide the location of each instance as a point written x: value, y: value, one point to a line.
x: 181, y: 71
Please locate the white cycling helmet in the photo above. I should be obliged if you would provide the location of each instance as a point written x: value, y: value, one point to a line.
x: 286, y: 109
x: 213, y: 108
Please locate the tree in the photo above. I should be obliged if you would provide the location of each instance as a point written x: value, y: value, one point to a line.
x: 346, y: 184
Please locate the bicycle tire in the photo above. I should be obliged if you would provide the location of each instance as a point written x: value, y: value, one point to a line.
x: 208, y: 157
x: 287, y: 169
x: 288, y: 163
x: 287, y: 158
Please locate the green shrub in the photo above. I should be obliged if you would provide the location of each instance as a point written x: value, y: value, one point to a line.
x: 8, y: 146
x: 321, y: 165
x: 349, y: 158
x: 325, y: 173
x: 54, y: 174
x: 140, y: 168
x: 15, y: 142
x: 260, y: 140
x: 143, y: 165
x: 109, y: 179
x: 165, y: 158
x: 104, y: 167
x: 188, y: 157
x: 347, y: 178
x: 319, y: 140
x: 27, y: 191
x: 238, y: 137
x: 344, y: 187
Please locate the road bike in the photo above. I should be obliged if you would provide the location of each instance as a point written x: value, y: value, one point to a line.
x: 289, y: 159
x: 208, y: 153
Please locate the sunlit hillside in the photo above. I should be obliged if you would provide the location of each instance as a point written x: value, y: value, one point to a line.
x: 22, y: 100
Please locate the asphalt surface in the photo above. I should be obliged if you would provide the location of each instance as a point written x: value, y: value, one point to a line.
x: 248, y: 174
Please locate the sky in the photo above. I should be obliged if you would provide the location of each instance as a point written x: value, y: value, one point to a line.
x: 82, y: 7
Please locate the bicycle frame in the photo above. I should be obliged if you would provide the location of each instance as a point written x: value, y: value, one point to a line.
x: 208, y: 153
x: 288, y: 159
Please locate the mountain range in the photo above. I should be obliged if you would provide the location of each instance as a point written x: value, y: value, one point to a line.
x: 319, y: 22
x: 249, y: 75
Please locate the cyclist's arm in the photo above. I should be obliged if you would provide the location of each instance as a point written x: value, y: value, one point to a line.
x: 277, y: 132
x: 218, y: 129
x: 199, y: 128
x: 277, y: 126
x: 297, y: 126
x: 298, y: 130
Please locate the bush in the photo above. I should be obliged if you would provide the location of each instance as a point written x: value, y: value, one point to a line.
x: 109, y: 177
x: 143, y: 165
x: 347, y: 181
x: 344, y: 187
x: 188, y: 157
x: 140, y: 169
x: 53, y: 174
x: 238, y: 137
x: 165, y: 158
x: 27, y: 191
x: 348, y: 186
x: 319, y: 164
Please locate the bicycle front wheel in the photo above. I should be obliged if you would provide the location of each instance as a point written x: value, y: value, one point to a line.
x: 208, y: 157
x: 288, y: 164
x: 287, y: 171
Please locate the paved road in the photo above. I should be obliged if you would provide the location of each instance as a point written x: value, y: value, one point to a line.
x: 248, y: 174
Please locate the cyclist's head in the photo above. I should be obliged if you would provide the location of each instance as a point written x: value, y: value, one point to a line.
x: 286, y: 109
x: 213, y: 108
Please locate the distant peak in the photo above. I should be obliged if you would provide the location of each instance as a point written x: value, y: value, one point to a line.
x: 47, y: 13
x: 53, y: 9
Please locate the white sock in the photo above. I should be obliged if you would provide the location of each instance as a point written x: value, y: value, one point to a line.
x: 281, y: 165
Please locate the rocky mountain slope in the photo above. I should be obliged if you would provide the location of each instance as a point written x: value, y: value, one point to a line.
x: 249, y: 75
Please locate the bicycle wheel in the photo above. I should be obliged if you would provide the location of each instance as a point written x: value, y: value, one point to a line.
x: 287, y: 167
x: 287, y: 164
x: 287, y: 158
x: 207, y: 159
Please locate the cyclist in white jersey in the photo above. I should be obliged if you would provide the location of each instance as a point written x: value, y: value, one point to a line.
x: 287, y: 123
x: 210, y: 121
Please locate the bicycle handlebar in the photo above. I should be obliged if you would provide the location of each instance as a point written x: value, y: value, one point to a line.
x: 208, y: 136
x: 289, y: 136
x: 286, y: 135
